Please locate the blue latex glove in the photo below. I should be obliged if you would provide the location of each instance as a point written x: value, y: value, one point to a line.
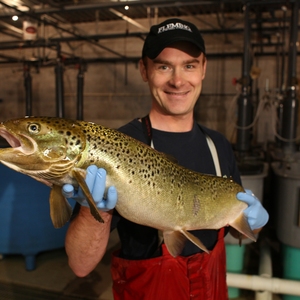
x: 255, y: 212
x: 95, y: 180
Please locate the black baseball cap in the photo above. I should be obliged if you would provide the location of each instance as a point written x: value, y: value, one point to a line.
x: 168, y: 32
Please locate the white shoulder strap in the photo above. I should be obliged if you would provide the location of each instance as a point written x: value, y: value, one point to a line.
x: 214, y: 154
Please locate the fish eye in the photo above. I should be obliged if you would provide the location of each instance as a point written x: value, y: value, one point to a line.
x: 34, y: 128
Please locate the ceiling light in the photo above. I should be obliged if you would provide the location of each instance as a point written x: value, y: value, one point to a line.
x: 15, y: 18
x: 126, y: 7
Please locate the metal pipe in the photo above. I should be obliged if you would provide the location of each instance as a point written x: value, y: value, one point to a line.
x: 283, y: 52
x: 280, y: 75
x: 292, y: 67
x: 54, y: 24
x: 118, y: 4
x: 133, y: 59
x: 59, y: 86
x: 290, y: 103
x: 96, y: 37
x: 244, y: 100
x: 80, y: 85
x: 28, y: 90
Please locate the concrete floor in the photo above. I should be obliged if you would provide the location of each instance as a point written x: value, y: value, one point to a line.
x: 53, y: 274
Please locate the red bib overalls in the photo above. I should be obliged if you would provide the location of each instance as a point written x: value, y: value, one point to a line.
x: 200, y: 276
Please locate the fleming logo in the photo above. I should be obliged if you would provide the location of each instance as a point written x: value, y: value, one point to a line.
x: 173, y: 26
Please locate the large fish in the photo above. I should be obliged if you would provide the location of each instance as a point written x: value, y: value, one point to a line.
x: 152, y: 190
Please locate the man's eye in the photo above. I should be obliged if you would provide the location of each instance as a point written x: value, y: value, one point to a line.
x: 189, y: 66
x: 163, y: 67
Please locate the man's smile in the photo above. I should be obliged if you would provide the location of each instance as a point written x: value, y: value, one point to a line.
x: 177, y: 93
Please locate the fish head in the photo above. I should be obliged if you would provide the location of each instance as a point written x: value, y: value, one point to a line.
x: 42, y: 147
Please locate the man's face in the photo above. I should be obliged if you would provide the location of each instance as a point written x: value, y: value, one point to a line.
x: 175, y: 78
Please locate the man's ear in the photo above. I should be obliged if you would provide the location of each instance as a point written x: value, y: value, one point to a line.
x: 204, y: 67
x: 143, y: 70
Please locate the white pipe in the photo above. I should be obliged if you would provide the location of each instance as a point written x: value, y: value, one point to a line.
x: 265, y: 270
x: 265, y: 264
x: 259, y: 283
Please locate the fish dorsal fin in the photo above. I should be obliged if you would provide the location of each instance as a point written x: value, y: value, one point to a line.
x: 89, y: 198
x: 60, y: 208
x: 171, y: 158
x: 241, y: 224
x: 174, y: 241
x: 194, y: 240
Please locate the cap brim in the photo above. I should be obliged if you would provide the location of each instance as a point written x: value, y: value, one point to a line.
x: 155, y: 51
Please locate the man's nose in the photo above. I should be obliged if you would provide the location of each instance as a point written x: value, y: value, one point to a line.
x: 177, y: 78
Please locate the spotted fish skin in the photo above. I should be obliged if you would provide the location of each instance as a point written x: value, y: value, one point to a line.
x: 152, y: 190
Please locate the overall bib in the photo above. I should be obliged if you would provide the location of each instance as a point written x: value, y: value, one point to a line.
x: 200, y: 276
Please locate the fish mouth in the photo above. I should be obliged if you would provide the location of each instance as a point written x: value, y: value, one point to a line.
x: 21, y: 143
x: 12, y: 141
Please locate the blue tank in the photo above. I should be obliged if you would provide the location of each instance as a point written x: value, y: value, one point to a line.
x: 25, y: 224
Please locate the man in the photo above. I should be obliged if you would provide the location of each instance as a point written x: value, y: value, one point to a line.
x: 173, y: 64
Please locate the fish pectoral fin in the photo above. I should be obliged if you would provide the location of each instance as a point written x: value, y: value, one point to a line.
x: 171, y: 158
x: 60, y: 208
x: 241, y: 224
x: 194, y: 240
x: 174, y: 241
x: 89, y: 198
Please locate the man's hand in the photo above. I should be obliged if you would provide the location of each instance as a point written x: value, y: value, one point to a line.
x: 255, y: 212
x: 95, y: 180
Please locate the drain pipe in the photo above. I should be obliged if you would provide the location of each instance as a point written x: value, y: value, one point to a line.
x: 28, y: 90
x: 244, y: 100
x: 290, y: 103
x: 281, y: 81
x: 80, y: 84
x: 59, y: 81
